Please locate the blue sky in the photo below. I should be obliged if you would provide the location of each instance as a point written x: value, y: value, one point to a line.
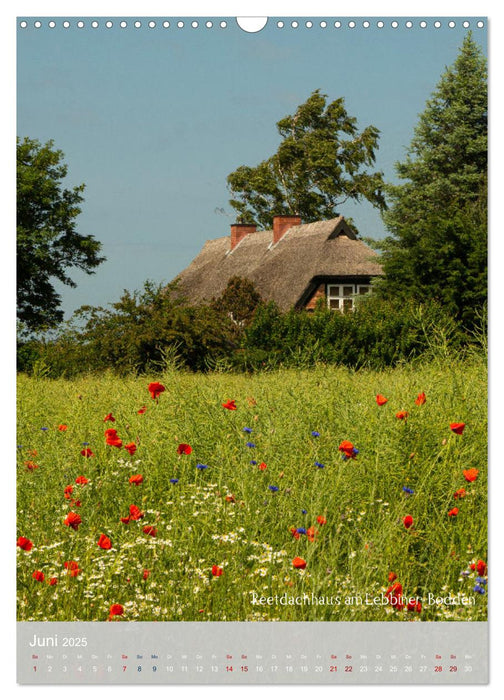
x: 153, y: 120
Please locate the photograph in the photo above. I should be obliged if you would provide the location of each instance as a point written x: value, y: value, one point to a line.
x: 251, y: 320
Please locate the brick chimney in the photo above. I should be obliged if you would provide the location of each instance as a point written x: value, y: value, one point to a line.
x: 239, y: 231
x: 281, y: 224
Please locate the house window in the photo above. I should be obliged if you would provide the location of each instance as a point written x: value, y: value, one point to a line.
x: 340, y: 297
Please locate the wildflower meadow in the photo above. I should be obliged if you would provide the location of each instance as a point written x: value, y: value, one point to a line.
x: 321, y: 494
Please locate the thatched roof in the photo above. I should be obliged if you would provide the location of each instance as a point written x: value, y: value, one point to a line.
x: 284, y: 271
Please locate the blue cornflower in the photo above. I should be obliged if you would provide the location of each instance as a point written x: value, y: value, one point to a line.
x: 315, y: 433
x: 481, y: 580
x: 319, y: 465
x: 407, y: 489
x: 253, y: 461
x: 20, y: 447
x: 174, y: 481
x: 479, y: 589
x: 355, y: 451
x: 304, y: 512
x: 273, y: 488
x: 250, y: 444
x: 301, y: 530
x: 85, y: 443
x: 44, y: 428
x: 202, y: 466
x: 247, y: 430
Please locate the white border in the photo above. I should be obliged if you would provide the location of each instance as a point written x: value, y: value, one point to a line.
x: 274, y: 8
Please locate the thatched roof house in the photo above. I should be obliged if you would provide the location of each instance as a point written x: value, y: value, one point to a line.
x: 294, y: 264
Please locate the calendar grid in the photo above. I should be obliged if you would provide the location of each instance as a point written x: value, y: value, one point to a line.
x: 237, y: 653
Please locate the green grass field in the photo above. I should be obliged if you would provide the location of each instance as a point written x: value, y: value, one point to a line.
x: 218, y: 544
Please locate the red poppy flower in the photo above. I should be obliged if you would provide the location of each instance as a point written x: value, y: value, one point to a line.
x: 31, y: 465
x: 347, y: 448
x: 155, y: 388
x: 72, y: 568
x: 298, y: 563
x: 71, y: 565
x: 230, y: 498
x: 414, y: 606
x: 420, y: 399
x: 73, y: 520
x: 135, y: 512
x: 86, y: 452
x: 401, y: 415
x: 145, y: 574
x: 38, y: 576
x: 104, y: 542
x: 109, y: 417
x: 453, y: 512
x: 321, y: 520
x: 392, y: 576
x: 408, y: 521
x: 113, y: 439
x: 396, y: 589
x: 481, y: 567
x: 311, y: 533
x: 295, y: 533
x: 75, y: 503
x: 457, y: 428
x: 142, y: 410
x: 460, y: 493
x: 380, y: 400
x: 394, y: 596
x: 62, y: 427
x: 230, y: 405
x: 68, y: 492
x: 149, y: 530
x: 136, y: 479
x: 116, y: 609
x: 53, y: 581
x: 262, y: 466
x: 24, y: 543
x: 110, y: 432
x: 217, y: 571
x: 184, y: 449
x: 470, y: 474
x: 81, y: 480
x: 131, y: 448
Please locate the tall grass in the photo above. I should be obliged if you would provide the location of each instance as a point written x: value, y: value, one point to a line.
x: 227, y: 516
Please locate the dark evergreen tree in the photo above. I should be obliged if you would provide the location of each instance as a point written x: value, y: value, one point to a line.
x: 438, y: 214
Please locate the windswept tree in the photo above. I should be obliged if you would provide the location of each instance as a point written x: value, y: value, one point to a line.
x: 321, y: 163
x: 438, y: 213
x: 47, y: 241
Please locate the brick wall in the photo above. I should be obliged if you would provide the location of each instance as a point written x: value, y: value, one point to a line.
x: 318, y: 294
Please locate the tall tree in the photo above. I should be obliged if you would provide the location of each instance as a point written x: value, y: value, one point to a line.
x: 438, y: 214
x: 320, y: 164
x: 47, y: 242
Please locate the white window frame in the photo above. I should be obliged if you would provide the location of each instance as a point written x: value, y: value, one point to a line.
x: 338, y: 292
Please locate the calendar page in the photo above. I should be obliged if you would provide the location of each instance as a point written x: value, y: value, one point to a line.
x: 251, y: 353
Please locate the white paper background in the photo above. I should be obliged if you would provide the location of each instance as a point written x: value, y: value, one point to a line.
x: 260, y: 8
